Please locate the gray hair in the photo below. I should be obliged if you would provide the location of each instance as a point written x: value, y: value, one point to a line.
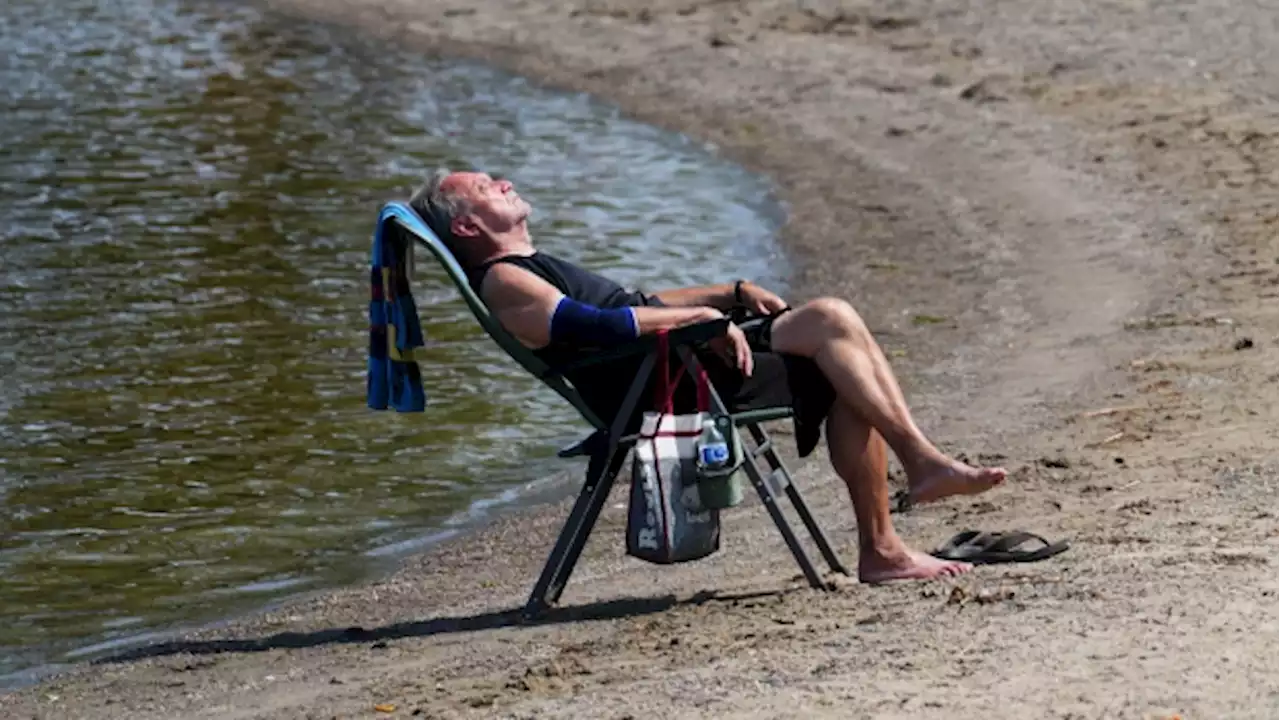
x: 439, y: 207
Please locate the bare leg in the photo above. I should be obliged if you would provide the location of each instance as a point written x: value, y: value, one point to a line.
x: 830, y: 332
x: 859, y: 457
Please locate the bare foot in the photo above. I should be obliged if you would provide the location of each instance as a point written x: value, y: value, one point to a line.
x: 874, y: 568
x: 937, y: 479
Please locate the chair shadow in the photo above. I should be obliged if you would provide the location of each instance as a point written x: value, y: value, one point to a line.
x: 602, y: 610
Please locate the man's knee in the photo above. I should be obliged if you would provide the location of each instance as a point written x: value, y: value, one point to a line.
x: 837, y: 317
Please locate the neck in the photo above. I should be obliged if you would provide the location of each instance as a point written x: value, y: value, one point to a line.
x: 504, y: 247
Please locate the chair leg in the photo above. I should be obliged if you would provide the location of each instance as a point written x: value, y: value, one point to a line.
x: 573, y: 536
x: 601, y: 471
x: 802, y: 508
x: 771, y: 504
x: 766, y: 493
x: 596, y: 504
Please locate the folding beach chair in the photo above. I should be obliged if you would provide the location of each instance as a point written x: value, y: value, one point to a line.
x: 606, y: 448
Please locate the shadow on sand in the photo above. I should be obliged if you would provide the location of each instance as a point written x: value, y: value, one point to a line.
x: 603, y: 610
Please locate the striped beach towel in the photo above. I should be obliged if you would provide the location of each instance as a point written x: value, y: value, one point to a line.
x: 394, y: 380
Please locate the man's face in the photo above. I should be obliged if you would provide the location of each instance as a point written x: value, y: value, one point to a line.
x: 495, y: 207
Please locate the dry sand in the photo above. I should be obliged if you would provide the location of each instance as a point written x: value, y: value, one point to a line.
x: 1059, y: 217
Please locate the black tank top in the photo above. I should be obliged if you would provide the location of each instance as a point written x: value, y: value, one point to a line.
x: 603, y: 386
x: 575, y: 282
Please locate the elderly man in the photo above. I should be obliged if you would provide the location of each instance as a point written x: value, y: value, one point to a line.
x: 819, y: 358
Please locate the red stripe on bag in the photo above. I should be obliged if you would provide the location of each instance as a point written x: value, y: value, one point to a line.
x: 665, y: 389
x: 664, y: 404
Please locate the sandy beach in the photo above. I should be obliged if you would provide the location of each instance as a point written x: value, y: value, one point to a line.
x: 1060, y: 220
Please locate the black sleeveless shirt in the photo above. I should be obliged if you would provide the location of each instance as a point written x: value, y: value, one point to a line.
x: 603, y: 386
x: 575, y: 282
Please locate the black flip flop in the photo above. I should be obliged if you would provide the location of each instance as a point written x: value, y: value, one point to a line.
x: 989, y: 548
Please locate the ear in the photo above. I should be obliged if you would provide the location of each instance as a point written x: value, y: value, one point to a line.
x: 464, y: 226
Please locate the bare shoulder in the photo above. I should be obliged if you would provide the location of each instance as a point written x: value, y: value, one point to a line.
x: 505, y: 283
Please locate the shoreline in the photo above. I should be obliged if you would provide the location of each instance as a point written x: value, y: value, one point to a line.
x: 1062, y: 320
x: 531, y: 496
x: 753, y: 196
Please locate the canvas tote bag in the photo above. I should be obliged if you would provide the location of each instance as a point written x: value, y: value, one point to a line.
x: 666, y: 519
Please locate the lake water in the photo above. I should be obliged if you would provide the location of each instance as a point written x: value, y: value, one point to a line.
x: 187, y: 194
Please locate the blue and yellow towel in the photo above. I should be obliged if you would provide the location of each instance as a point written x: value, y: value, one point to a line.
x: 394, y: 377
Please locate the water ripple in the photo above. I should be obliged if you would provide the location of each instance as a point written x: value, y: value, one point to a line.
x: 186, y: 192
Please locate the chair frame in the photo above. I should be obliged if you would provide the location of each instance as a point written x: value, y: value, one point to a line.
x: 607, y: 447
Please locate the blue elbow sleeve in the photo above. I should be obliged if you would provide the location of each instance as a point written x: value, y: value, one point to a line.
x: 582, y: 324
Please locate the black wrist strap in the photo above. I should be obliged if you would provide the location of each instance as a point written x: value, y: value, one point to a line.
x: 737, y: 291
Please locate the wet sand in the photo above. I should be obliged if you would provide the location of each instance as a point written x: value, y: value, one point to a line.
x: 1060, y: 220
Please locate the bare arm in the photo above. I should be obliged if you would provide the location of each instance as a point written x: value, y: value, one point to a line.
x: 524, y: 304
x: 716, y: 296
x: 722, y: 297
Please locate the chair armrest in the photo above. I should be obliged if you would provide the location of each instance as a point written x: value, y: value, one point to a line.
x: 695, y: 334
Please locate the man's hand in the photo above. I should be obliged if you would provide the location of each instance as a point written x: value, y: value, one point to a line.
x: 760, y: 301
x: 734, y: 348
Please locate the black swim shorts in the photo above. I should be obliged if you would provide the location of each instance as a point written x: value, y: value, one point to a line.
x: 778, y: 380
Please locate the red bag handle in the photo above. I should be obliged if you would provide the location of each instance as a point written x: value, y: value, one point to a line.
x: 665, y: 388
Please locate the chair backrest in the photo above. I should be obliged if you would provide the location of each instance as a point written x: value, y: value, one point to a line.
x: 403, y: 217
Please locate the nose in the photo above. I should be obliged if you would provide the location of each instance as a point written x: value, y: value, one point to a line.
x: 505, y: 185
